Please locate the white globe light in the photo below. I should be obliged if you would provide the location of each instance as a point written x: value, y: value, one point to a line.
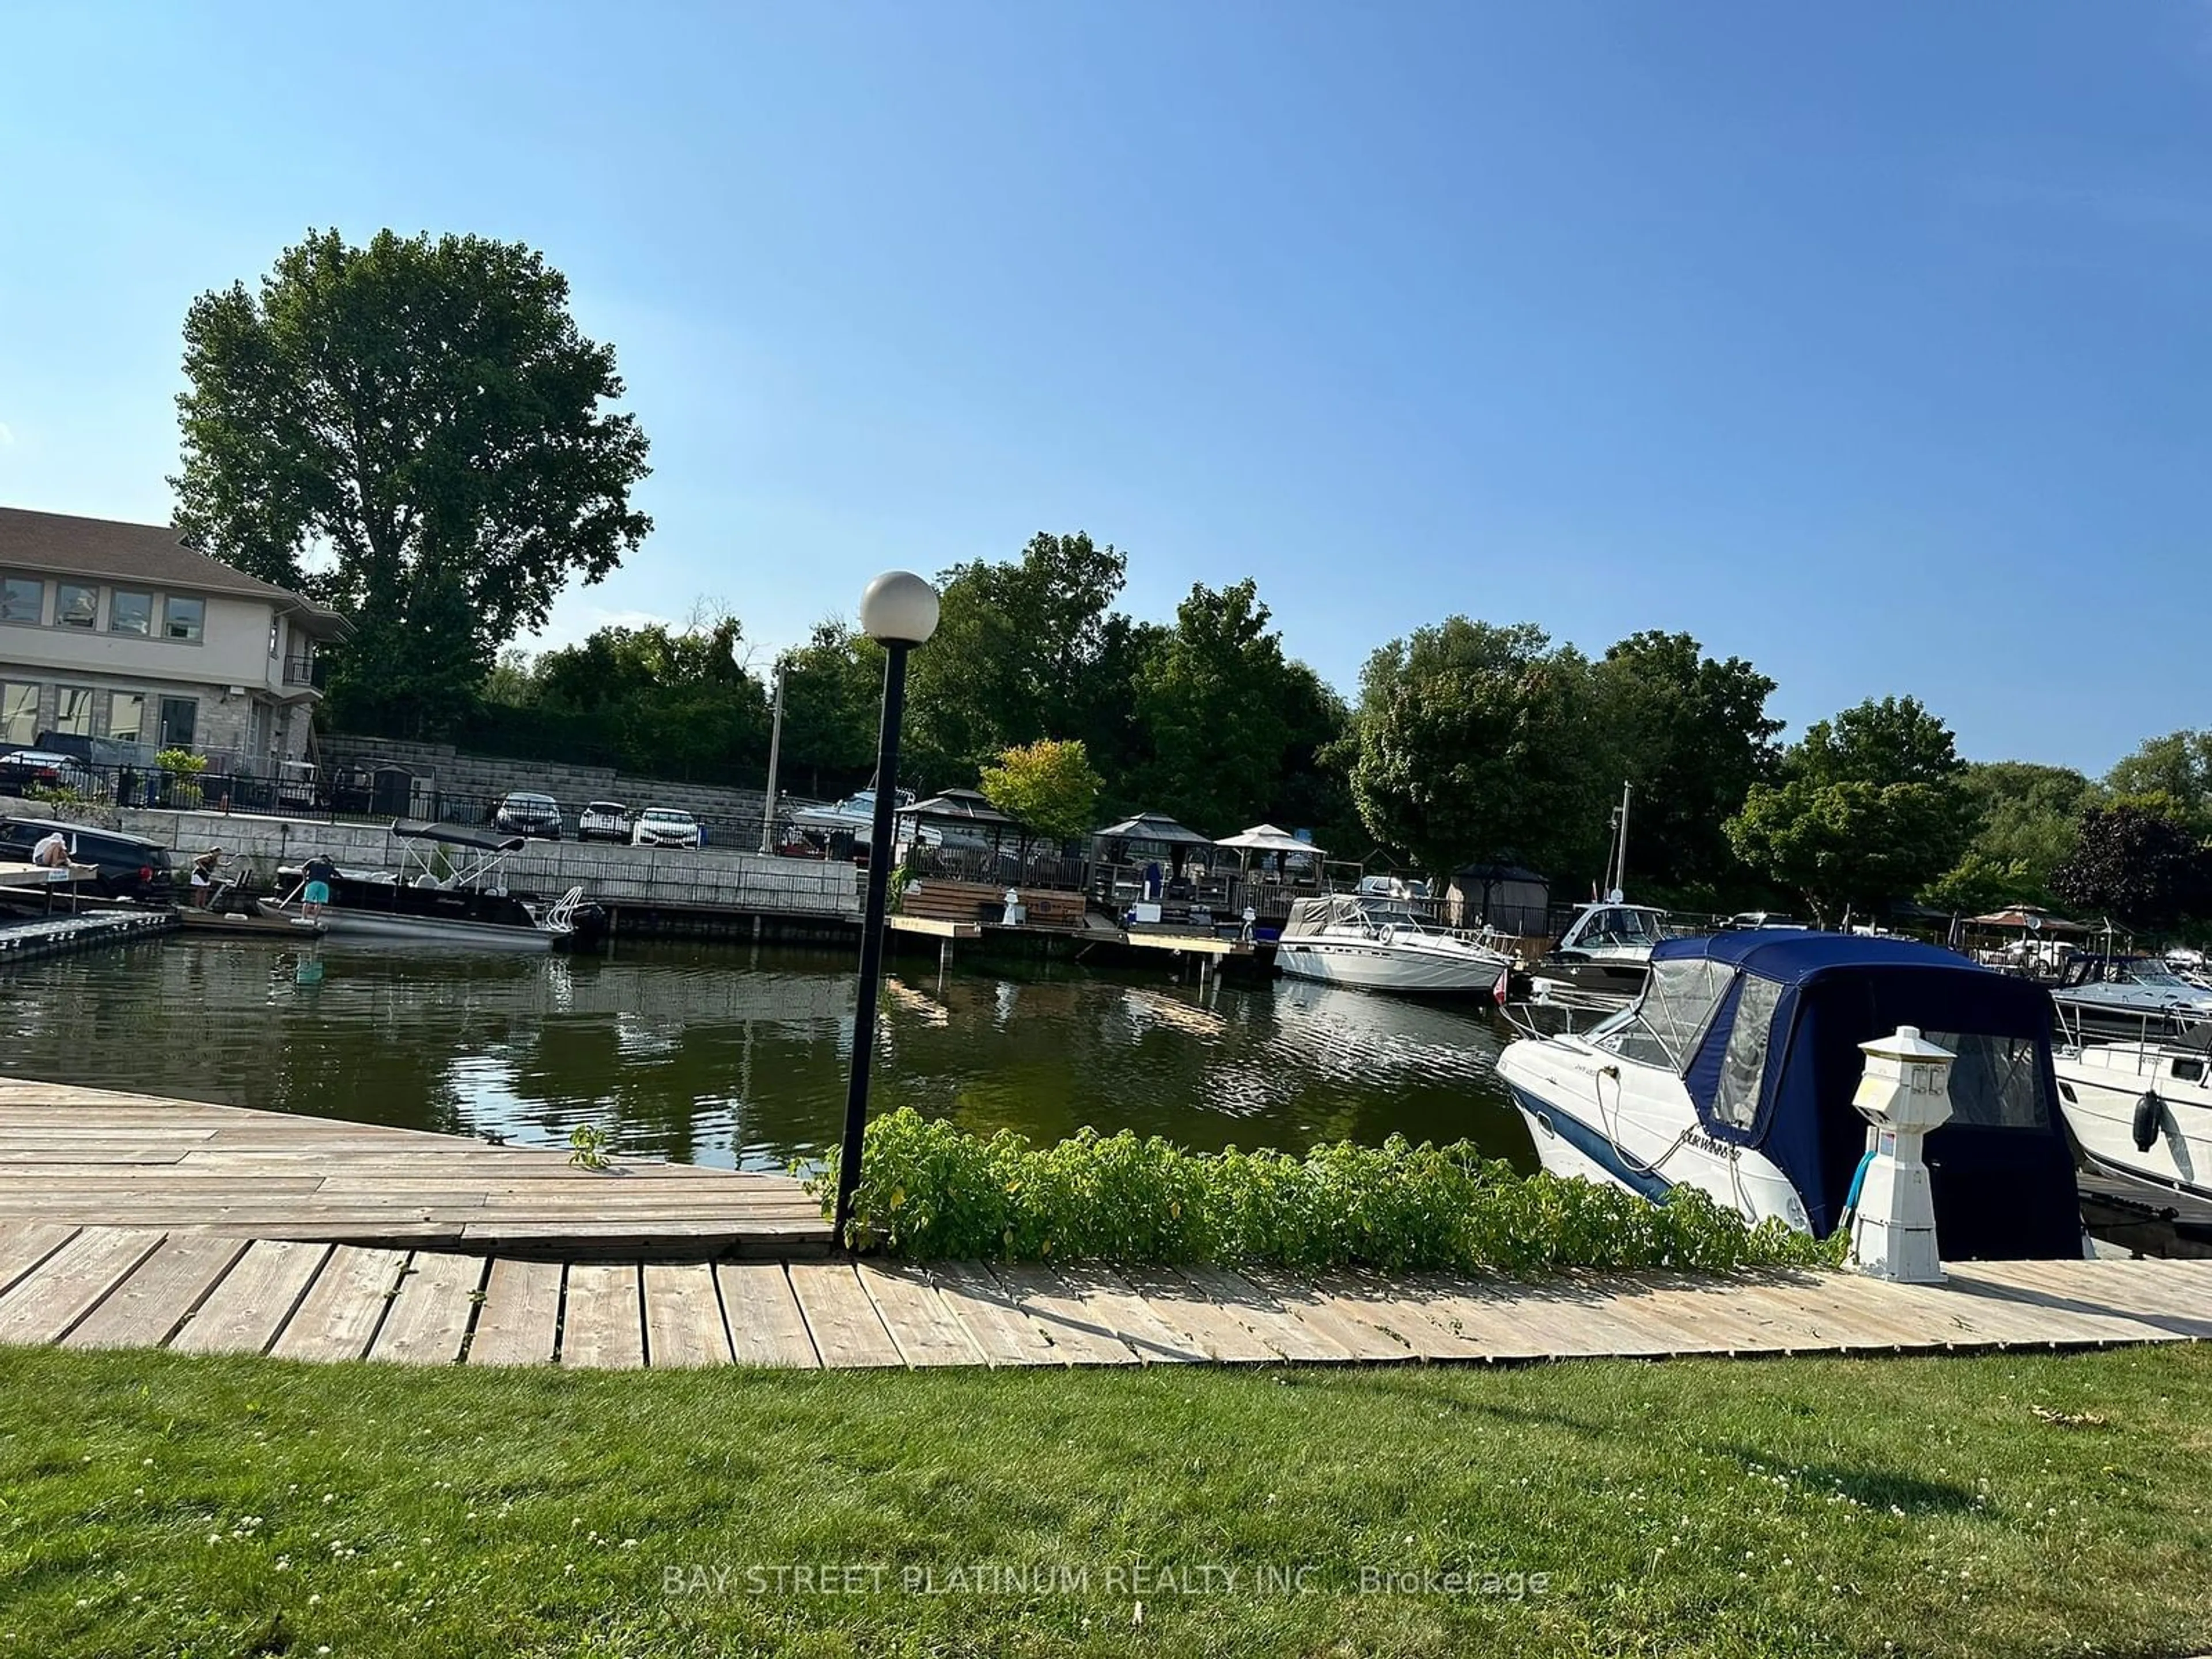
x: 899, y: 608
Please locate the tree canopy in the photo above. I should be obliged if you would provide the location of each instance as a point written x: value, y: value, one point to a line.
x: 415, y: 432
x: 2137, y: 865
x: 1475, y: 743
x: 1048, y: 787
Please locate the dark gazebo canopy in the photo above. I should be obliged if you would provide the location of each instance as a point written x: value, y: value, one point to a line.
x: 1154, y: 827
x: 957, y: 807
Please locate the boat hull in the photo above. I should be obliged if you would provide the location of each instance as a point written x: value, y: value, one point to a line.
x: 400, y: 928
x: 1386, y: 967
x: 2100, y: 1112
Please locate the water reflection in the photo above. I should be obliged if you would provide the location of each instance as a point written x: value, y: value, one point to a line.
x: 726, y: 1056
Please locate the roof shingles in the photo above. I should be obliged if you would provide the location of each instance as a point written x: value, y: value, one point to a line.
x: 61, y: 543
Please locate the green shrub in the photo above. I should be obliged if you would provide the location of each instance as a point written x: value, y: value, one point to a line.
x: 931, y: 1191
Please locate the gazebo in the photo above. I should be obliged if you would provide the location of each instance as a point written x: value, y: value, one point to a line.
x: 1268, y: 841
x: 965, y: 811
x: 1148, y: 831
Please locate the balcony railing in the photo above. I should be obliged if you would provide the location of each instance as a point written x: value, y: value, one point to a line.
x: 304, y: 670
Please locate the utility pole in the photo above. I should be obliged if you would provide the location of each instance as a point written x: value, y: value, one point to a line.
x: 775, y: 749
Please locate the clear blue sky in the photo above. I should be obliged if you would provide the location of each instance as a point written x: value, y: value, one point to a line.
x: 1867, y: 341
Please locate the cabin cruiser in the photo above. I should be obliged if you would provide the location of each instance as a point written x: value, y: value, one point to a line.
x: 435, y: 897
x: 1733, y: 1073
x: 854, y: 816
x: 1381, y: 945
x: 2143, y: 1110
x: 2140, y: 997
x: 1606, y: 949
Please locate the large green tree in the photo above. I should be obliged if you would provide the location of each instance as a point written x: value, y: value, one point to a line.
x: 833, y: 699
x: 415, y: 432
x: 2176, y: 767
x: 1213, y: 694
x: 1849, y: 845
x: 1881, y: 741
x: 1694, y: 735
x: 1047, y: 787
x: 1869, y: 810
x: 675, y: 702
x: 1480, y: 742
x: 1016, y: 655
x: 2024, y: 816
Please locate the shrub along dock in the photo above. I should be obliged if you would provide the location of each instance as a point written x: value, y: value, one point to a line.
x: 127, y: 1220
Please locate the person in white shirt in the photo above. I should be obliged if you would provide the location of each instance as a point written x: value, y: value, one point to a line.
x: 52, y: 853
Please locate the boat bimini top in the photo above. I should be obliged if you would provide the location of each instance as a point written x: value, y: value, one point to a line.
x: 491, y: 850
x: 1765, y: 1027
x: 1362, y: 912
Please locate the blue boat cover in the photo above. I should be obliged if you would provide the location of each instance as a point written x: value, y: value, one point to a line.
x: 2002, y: 1174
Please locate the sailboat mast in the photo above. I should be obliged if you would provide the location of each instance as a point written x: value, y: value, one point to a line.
x: 1618, y: 882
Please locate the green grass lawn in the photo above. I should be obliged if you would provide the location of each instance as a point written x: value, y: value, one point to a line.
x: 157, y: 1504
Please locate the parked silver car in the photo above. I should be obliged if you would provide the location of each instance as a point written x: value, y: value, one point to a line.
x: 666, y: 826
x: 604, y: 820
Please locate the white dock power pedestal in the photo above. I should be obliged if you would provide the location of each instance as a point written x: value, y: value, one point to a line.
x: 1905, y: 1092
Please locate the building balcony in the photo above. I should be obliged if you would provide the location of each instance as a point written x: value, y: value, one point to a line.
x: 306, y: 670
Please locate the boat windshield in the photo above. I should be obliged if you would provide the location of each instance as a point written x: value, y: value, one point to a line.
x: 1391, y: 915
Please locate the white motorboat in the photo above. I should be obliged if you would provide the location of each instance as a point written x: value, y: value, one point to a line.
x: 428, y: 901
x: 854, y: 816
x: 1607, y: 948
x: 2141, y: 997
x: 2141, y: 1110
x: 1381, y: 945
x: 1733, y: 1073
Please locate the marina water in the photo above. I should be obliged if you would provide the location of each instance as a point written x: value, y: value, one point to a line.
x: 735, y: 1055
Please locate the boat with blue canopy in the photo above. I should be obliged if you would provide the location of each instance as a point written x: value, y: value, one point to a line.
x: 1733, y: 1072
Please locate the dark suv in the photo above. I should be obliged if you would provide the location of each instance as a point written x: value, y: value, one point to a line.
x: 126, y: 866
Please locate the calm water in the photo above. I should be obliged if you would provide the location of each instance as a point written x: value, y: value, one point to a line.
x: 729, y: 1056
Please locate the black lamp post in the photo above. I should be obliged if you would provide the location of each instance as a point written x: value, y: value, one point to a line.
x: 899, y: 611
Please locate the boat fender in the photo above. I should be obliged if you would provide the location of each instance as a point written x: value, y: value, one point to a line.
x: 2149, y: 1110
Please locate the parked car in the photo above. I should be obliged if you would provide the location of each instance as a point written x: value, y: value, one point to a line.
x: 665, y: 826
x: 604, y: 820
x: 523, y: 813
x: 125, y: 867
x: 22, y: 770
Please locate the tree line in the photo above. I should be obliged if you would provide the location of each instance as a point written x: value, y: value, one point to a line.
x: 415, y: 432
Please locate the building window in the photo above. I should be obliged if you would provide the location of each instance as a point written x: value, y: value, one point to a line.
x: 274, y: 625
x: 130, y: 613
x: 73, y: 709
x: 22, y: 599
x: 180, y: 720
x: 19, y: 714
x: 75, y: 605
x: 182, y: 619
x: 126, y: 717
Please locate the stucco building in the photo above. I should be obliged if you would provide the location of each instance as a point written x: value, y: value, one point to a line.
x: 120, y: 632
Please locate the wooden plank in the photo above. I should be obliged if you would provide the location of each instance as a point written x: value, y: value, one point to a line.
x: 1831, y: 1322
x: 520, y: 1318
x: 1483, y: 1315
x: 24, y: 1244
x: 428, y: 1319
x: 2065, y: 1317
x: 992, y: 1316
x: 1082, y: 1333
x: 146, y: 1309
x: 71, y: 1282
x: 1214, y: 1330
x: 926, y: 1331
x: 601, y: 1326
x: 339, y: 1315
x: 683, y: 1316
x: 243, y: 1314
x: 1963, y: 1318
x: 1117, y: 1306
x: 844, y: 1323
x: 1269, y: 1319
x: 765, y: 1325
x: 2150, y: 1296
x: 1316, y: 1303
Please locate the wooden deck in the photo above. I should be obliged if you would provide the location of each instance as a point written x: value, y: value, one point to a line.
x: 131, y: 1221
x: 92, y: 1158
x: 208, y: 1292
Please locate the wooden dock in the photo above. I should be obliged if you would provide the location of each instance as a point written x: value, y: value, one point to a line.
x: 97, y: 1158
x: 127, y: 1220
x: 212, y: 1292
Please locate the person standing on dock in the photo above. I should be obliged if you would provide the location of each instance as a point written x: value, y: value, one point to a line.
x: 320, y: 873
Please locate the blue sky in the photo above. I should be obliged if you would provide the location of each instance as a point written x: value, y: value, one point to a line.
x: 1868, y: 341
